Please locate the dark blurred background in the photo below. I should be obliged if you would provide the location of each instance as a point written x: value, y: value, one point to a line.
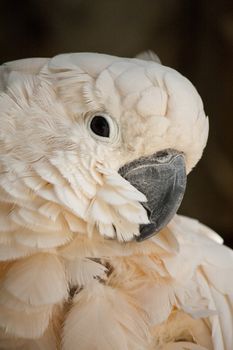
x: 194, y: 37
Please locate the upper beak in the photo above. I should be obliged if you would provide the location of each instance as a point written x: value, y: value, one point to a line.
x: 161, y: 177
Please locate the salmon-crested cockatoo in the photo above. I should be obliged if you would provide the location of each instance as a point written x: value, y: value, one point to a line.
x: 94, y: 153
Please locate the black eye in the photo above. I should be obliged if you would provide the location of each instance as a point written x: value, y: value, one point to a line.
x: 99, y: 125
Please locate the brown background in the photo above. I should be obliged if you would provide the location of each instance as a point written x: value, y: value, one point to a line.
x: 194, y: 37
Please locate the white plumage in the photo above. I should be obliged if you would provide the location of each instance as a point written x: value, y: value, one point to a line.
x: 70, y: 275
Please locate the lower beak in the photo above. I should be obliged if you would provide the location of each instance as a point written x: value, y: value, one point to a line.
x: 161, y: 177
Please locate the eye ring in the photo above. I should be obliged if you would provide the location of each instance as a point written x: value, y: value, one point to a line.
x: 102, y: 127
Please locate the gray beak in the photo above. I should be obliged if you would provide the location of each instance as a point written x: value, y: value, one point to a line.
x: 161, y: 177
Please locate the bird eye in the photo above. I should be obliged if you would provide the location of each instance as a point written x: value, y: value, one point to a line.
x: 100, y: 126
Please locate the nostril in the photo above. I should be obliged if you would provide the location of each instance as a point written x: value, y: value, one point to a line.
x: 163, y: 156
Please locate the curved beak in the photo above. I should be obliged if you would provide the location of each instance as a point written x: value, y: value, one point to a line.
x: 161, y: 177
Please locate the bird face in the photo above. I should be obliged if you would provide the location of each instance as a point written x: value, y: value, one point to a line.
x: 102, y: 144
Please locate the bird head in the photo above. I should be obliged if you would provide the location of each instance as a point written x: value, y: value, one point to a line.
x: 96, y: 144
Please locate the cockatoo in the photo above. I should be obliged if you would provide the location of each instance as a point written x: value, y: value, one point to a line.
x: 94, y: 153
